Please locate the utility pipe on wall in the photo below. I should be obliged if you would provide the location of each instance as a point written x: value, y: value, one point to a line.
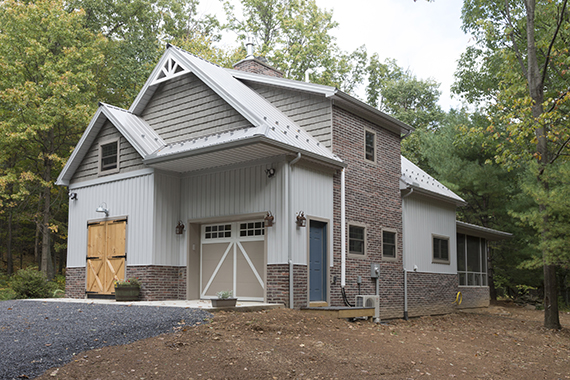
x: 290, y: 222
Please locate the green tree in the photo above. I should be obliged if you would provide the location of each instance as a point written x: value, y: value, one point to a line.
x: 524, y: 46
x: 48, y: 66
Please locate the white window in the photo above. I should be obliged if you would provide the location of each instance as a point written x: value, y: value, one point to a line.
x: 251, y: 229
x: 218, y: 231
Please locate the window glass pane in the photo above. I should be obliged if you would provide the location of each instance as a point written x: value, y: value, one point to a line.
x: 473, y: 257
x: 461, y: 252
x: 483, y: 256
x: 109, y: 156
x: 356, y: 240
x: 462, y: 279
x: 389, y: 244
x: 440, y: 249
x: 370, y: 143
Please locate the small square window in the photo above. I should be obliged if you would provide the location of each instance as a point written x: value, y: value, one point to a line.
x: 356, y: 240
x: 441, y: 250
x: 370, y: 146
x: 109, y: 157
x: 388, y: 244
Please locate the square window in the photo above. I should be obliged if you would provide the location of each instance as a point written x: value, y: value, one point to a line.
x: 356, y: 240
x: 389, y: 244
x: 370, y: 146
x: 441, y: 250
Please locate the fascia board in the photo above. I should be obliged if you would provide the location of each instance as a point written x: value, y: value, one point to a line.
x: 431, y: 194
x: 369, y: 113
x: 312, y: 88
x: 81, y: 148
x: 487, y: 233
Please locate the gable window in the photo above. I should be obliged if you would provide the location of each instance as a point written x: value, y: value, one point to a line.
x: 109, y: 157
x: 388, y: 244
x: 356, y: 240
x: 441, y: 249
x: 370, y: 145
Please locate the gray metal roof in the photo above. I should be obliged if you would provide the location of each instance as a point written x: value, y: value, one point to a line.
x: 137, y: 132
x: 484, y: 232
x: 341, y: 99
x: 415, y: 178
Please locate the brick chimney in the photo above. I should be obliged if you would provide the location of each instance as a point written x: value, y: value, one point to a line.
x: 256, y: 65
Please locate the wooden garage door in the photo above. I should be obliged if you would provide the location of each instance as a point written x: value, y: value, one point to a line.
x: 232, y: 257
x: 105, y: 255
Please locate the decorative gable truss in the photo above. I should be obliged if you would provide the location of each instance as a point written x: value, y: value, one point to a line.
x: 170, y: 69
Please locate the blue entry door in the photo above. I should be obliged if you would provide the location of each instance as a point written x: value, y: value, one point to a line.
x: 317, y: 261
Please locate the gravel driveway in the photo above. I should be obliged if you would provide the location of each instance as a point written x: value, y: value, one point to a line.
x: 35, y: 336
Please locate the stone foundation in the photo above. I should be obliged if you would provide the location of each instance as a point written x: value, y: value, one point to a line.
x: 474, y: 296
x: 75, y: 282
x: 278, y: 284
x: 431, y: 293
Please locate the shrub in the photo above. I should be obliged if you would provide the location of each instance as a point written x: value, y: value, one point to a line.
x: 30, y: 283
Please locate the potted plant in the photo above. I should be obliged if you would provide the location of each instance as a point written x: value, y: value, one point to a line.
x: 224, y: 299
x: 127, y: 290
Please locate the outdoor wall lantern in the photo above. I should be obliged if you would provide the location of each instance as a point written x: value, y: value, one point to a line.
x: 301, y: 220
x: 269, y: 218
x: 179, y: 228
x: 270, y: 172
x: 103, y: 208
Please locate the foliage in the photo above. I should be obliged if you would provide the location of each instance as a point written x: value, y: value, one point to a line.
x: 30, y: 283
x: 133, y: 281
x: 224, y: 294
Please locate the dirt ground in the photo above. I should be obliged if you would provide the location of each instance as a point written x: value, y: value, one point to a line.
x: 501, y: 342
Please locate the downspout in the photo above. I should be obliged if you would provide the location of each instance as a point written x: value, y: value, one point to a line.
x: 290, y: 230
x: 342, y: 230
x: 404, y: 250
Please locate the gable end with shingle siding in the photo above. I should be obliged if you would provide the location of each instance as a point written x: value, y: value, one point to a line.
x: 129, y: 158
x: 184, y: 108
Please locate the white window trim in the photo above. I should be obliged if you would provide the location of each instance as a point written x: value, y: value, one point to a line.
x: 100, y: 156
x: 395, y: 232
x: 440, y: 261
x: 361, y: 225
x: 375, y: 145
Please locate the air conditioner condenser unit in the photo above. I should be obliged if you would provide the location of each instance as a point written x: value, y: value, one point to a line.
x: 370, y: 301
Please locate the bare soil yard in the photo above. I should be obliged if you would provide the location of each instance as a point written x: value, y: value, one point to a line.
x: 502, y: 342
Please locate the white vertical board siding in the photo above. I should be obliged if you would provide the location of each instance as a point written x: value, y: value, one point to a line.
x: 423, y: 217
x: 131, y: 198
x: 235, y: 192
x: 312, y: 193
x: 167, y: 244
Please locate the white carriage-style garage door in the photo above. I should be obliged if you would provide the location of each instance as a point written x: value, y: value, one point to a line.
x: 232, y: 257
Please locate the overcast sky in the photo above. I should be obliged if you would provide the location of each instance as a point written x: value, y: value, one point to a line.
x: 424, y: 37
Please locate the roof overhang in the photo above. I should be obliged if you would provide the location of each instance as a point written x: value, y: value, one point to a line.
x: 483, y: 232
x: 413, y: 189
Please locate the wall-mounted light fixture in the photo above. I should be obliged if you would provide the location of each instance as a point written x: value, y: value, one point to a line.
x: 270, y: 172
x: 301, y: 220
x: 269, y: 219
x: 179, y: 228
x: 103, y: 208
x: 72, y: 196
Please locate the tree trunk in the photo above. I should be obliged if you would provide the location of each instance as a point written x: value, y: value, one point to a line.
x: 37, y: 237
x: 9, y: 258
x: 47, y: 261
x: 536, y: 90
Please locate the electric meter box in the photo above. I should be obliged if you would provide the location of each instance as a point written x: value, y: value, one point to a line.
x: 374, y: 270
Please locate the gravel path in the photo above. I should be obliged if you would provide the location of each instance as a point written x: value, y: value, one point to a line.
x: 35, y: 336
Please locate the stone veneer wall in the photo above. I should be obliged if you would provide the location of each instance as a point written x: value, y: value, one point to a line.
x: 431, y: 293
x: 278, y: 284
x: 373, y: 200
x: 474, y: 296
x: 157, y: 282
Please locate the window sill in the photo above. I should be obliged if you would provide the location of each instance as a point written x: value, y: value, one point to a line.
x: 441, y: 262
